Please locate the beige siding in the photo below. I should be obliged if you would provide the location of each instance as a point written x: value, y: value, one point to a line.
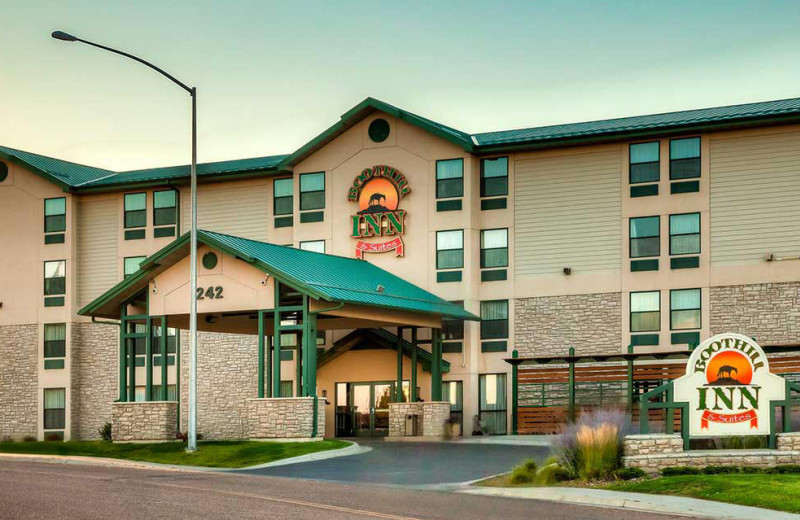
x: 567, y: 212
x: 98, y: 227
x: 236, y: 208
x: 755, y: 196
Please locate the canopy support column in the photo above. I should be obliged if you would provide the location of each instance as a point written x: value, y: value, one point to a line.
x: 260, y: 354
x: 164, y: 358
x: 276, y: 344
x: 309, y: 351
x: 413, y: 397
x: 398, y: 395
x: 131, y: 367
x: 123, y: 343
x: 148, y: 359
x: 436, y: 365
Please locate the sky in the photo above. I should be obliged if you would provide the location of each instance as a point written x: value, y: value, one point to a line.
x: 272, y: 75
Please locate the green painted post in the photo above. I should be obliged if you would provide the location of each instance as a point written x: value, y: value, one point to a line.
x: 630, y: 381
x: 123, y: 379
x: 436, y: 365
x: 132, y: 371
x: 514, y: 392
x: 572, y: 384
x: 310, y: 375
x: 276, y: 344
x: 299, y: 359
x: 670, y: 412
x: 413, y: 383
x: 148, y: 355
x: 164, y: 358
x: 398, y: 393
x: 178, y: 375
x: 260, y: 354
x: 268, y: 376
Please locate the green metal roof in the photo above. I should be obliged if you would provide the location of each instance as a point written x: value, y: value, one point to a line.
x: 63, y: 173
x: 321, y: 276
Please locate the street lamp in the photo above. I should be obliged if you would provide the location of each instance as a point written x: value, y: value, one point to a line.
x: 192, y: 446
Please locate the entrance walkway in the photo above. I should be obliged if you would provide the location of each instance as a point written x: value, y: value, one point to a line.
x: 414, y: 463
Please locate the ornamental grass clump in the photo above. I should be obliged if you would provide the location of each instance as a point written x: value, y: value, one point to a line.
x: 591, y: 448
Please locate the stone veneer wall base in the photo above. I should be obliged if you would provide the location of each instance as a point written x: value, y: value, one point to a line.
x: 284, y: 418
x: 432, y: 417
x: 154, y: 421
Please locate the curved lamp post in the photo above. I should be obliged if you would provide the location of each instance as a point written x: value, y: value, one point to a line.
x: 192, y: 446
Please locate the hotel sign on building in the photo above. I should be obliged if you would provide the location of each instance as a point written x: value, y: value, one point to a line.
x: 378, y: 192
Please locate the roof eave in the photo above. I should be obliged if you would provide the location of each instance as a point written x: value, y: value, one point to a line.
x: 37, y: 171
x: 179, y: 181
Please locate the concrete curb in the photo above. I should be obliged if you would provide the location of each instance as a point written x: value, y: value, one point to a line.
x: 353, y: 449
x: 660, y: 504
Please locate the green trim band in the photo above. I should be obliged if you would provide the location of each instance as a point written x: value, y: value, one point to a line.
x: 685, y: 338
x: 644, y: 340
x: 135, y: 234
x: 452, y: 347
x: 312, y: 216
x: 57, y: 238
x: 684, y: 187
x: 53, y: 364
x: 448, y: 276
x: 490, y: 204
x: 448, y: 205
x: 281, y: 222
x: 647, y: 190
x: 684, y: 262
x: 54, y: 301
x: 644, y: 265
x: 494, y: 276
x: 164, y: 232
x: 494, y: 346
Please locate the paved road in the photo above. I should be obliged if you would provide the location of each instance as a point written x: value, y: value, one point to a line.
x: 414, y: 463
x: 64, y: 492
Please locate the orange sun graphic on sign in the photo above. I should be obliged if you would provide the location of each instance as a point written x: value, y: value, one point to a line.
x: 729, y: 367
x: 378, y: 195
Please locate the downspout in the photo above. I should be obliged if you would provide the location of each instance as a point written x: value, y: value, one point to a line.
x: 316, y: 398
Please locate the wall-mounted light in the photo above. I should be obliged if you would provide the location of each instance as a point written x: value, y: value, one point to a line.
x: 211, y: 319
x: 567, y: 270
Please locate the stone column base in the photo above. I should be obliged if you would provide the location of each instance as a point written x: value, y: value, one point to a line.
x: 285, y: 418
x: 431, y: 418
x: 147, y: 421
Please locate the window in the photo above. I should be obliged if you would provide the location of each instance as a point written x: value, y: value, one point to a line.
x: 644, y: 162
x: 165, y: 208
x: 132, y: 264
x: 318, y: 246
x: 494, y: 319
x: 645, y: 311
x: 684, y: 307
x: 492, y: 403
x: 449, y: 178
x: 450, y: 249
x: 645, y: 239
x: 453, y: 328
x: 494, y: 177
x: 684, y: 158
x: 286, y: 389
x: 453, y: 393
x: 172, y: 393
x: 135, y: 210
x: 684, y: 234
x: 312, y: 191
x: 55, y: 278
x: 172, y: 340
x: 494, y: 248
x: 321, y: 338
x: 55, y: 405
x: 55, y: 215
x: 283, y: 196
x: 55, y: 340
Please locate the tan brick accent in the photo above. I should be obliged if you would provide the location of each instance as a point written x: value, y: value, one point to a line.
x: 18, y: 381
x: 94, y: 371
x: 284, y: 418
x: 769, y: 312
x: 432, y: 417
x: 549, y: 325
x: 144, y: 421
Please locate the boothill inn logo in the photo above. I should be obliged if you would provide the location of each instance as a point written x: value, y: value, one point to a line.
x: 729, y: 388
x: 378, y: 192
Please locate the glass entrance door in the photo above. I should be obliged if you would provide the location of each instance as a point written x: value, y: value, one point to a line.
x: 367, y: 410
x: 382, y: 396
x: 361, y: 407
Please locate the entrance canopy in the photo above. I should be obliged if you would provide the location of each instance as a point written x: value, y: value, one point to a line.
x: 237, y: 276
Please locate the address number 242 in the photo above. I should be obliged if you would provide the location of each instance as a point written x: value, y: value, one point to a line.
x: 212, y: 293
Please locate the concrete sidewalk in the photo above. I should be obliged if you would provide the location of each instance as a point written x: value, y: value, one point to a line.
x: 662, y: 504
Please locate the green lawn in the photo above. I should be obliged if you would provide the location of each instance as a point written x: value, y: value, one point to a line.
x: 215, y: 454
x: 781, y: 492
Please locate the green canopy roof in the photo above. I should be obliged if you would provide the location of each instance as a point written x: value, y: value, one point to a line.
x: 321, y: 276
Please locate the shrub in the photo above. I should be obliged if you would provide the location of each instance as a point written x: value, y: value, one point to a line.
x: 591, y: 448
x: 53, y: 437
x: 679, y: 470
x: 747, y: 442
x: 720, y: 470
x: 786, y: 468
x: 30, y: 438
x: 629, y: 473
x: 105, y: 432
x: 524, y: 473
x: 6, y: 438
x: 751, y: 469
x: 551, y: 474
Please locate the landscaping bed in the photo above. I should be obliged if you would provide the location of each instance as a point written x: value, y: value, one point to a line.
x: 213, y: 454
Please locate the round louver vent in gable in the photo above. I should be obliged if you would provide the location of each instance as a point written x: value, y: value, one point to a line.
x: 3, y: 171
x: 210, y: 260
x: 379, y: 130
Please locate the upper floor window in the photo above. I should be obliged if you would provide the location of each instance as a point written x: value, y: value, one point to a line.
x: 684, y: 158
x: 131, y: 265
x: 494, y: 177
x: 449, y: 178
x: 645, y: 237
x: 318, y: 246
x: 645, y: 311
x: 55, y: 340
x: 135, y: 210
x: 55, y: 406
x: 55, y: 215
x: 165, y: 208
x: 644, y: 162
x: 453, y: 328
x: 494, y: 319
x: 450, y: 249
x: 55, y: 278
x: 684, y: 307
x: 494, y: 248
x: 283, y: 196
x: 684, y: 234
x: 312, y: 191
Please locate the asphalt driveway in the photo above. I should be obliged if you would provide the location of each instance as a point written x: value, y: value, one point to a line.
x: 413, y: 463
